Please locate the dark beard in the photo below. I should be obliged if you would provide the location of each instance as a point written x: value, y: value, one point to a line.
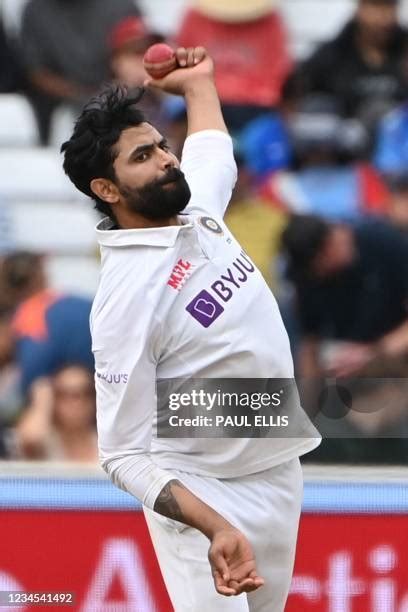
x: 155, y: 201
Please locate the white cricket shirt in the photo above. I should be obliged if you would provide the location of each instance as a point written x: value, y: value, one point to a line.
x: 178, y: 302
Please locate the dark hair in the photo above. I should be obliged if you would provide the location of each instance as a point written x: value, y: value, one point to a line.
x: 90, y: 152
x: 301, y: 241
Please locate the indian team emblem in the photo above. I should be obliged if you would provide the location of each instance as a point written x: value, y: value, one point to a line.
x: 210, y: 224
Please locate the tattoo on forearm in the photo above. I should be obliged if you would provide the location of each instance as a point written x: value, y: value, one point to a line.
x: 167, y: 504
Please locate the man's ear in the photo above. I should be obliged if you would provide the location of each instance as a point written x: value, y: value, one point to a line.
x: 105, y: 190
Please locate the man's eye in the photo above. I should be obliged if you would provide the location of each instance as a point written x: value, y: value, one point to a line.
x: 165, y: 146
x: 142, y: 157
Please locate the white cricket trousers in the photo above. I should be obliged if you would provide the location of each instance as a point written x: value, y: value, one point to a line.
x: 265, y: 507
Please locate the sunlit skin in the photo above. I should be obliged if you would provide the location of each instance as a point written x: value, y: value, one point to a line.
x: 143, y: 156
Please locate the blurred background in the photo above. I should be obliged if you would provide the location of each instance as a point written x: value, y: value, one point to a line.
x: 315, y: 94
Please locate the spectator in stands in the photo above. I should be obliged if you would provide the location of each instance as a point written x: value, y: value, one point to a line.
x: 11, y: 72
x: 327, y: 179
x: 365, y: 66
x: 352, y: 291
x: 128, y: 41
x: 51, y: 329
x: 352, y: 302
x: 59, y: 423
x: 248, y: 43
x: 65, y: 51
x: 391, y: 151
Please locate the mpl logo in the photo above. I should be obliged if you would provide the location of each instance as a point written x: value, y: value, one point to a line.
x: 205, y: 309
x: 180, y: 273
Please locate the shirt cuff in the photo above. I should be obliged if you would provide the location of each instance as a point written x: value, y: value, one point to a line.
x: 155, y: 488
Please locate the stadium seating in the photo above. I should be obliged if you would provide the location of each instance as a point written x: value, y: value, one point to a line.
x: 74, y: 274
x: 18, y: 127
x: 34, y: 174
x: 62, y: 124
x: 64, y: 231
x: 48, y: 215
x: 58, y: 227
x: 11, y: 11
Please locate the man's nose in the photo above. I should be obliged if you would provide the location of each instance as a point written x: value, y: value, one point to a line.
x: 167, y: 160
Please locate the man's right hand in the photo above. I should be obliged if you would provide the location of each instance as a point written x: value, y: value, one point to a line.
x: 233, y: 563
x: 230, y: 555
x: 194, y: 65
x: 194, y: 79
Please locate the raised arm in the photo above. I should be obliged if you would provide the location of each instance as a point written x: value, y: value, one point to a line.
x: 195, y: 81
x: 208, y: 161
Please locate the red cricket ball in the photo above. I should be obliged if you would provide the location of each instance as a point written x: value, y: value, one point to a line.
x: 159, y: 60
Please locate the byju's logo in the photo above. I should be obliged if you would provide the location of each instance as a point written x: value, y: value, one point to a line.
x: 113, y: 378
x: 205, y: 309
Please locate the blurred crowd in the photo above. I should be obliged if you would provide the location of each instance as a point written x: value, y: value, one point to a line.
x: 321, y: 206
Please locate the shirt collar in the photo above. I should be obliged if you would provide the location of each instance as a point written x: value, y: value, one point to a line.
x: 150, y: 236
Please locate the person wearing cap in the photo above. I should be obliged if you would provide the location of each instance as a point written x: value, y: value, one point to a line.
x: 364, y: 66
x: 179, y: 299
x: 128, y: 41
x: 64, y: 51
